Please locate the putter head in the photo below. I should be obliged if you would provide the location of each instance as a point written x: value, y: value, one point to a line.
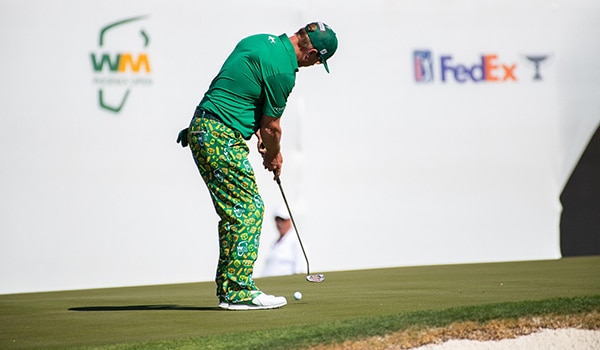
x: 315, y: 278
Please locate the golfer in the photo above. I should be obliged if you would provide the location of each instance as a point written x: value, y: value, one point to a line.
x: 248, y: 97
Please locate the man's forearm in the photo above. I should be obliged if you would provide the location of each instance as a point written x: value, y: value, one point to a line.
x: 270, y: 133
x: 271, y: 140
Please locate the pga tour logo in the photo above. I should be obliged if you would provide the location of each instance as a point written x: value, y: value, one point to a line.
x: 485, y: 68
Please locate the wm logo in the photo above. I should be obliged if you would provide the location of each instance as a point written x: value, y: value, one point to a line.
x: 120, y: 62
x: 119, y: 69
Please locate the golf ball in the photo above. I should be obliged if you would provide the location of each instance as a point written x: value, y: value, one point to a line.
x: 297, y: 295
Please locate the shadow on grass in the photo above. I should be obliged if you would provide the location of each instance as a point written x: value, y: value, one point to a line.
x: 145, y: 308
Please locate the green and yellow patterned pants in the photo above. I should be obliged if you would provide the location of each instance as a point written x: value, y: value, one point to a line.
x: 221, y: 155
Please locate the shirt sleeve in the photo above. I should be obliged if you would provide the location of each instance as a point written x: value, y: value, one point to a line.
x: 277, y: 89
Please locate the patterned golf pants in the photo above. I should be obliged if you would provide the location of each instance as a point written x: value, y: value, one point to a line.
x: 221, y: 155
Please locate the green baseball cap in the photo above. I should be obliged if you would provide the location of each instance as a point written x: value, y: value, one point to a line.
x: 324, y: 40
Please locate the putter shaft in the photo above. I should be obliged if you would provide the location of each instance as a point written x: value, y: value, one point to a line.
x: 294, y: 224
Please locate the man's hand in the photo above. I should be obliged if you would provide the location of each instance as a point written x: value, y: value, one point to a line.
x: 260, y: 146
x: 273, y: 164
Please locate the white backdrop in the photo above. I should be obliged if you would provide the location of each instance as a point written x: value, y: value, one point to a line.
x: 381, y: 170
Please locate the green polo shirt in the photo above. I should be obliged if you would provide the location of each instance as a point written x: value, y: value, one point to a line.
x: 255, y: 80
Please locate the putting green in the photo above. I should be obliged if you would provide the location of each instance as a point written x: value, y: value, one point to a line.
x: 177, y: 313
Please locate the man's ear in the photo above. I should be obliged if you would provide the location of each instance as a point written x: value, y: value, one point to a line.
x: 312, y: 53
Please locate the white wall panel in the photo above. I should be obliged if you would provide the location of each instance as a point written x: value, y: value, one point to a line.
x: 381, y: 170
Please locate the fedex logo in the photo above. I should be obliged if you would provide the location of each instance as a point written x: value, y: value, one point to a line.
x: 489, y: 68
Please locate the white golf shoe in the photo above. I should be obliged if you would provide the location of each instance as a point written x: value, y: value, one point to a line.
x: 259, y: 301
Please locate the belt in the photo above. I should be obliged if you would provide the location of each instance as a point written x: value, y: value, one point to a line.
x: 200, y: 113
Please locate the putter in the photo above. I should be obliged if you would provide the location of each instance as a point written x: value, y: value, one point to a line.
x: 315, y: 278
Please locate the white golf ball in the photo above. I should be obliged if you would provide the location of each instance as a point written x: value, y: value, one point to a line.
x: 297, y: 295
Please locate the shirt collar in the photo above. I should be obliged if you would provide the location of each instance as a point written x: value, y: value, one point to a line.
x: 287, y: 43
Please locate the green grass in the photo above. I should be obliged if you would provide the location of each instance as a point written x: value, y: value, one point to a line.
x: 298, y: 337
x: 347, y: 305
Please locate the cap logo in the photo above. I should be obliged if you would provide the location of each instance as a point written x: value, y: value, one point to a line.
x: 322, y: 26
x: 322, y: 52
